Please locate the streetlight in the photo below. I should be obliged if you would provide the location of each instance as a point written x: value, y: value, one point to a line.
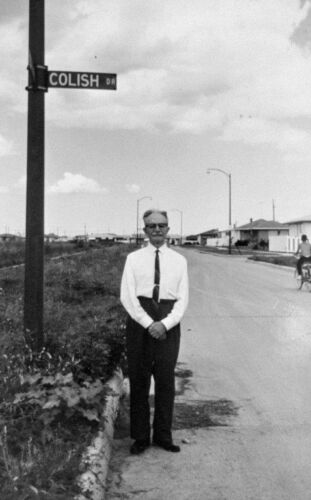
x: 181, y: 216
x: 137, y: 214
x: 229, y: 178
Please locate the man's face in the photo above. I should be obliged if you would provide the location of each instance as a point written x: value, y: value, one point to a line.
x: 156, y: 228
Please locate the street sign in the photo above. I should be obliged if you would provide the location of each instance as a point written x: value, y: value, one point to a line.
x: 81, y: 80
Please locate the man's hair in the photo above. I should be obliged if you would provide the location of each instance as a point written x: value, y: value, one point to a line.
x: 304, y: 237
x: 154, y: 211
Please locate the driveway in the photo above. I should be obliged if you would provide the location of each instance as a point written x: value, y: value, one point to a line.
x: 243, y: 405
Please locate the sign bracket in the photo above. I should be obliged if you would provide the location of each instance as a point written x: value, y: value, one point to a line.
x: 38, y: 76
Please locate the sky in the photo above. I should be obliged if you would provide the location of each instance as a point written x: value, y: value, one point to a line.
x: 206, y: 84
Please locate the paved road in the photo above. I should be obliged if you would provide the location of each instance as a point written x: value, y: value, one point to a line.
x: 247, y: 342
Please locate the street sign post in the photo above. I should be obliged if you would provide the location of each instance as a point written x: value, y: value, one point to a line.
x: 34, y: 255
x: 39, y: 80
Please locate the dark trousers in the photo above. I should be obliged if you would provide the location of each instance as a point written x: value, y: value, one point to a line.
x: 300, y: 261
x: 151, y: 357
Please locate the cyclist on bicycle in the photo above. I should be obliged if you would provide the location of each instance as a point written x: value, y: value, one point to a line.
x: 304, y: 250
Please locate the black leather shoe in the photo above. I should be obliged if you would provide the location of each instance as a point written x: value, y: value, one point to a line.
x: 139, y: 446
x: 167, y: 446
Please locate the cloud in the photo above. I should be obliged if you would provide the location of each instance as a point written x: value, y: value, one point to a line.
x: 291, y: 142
x: 182, y: 67
x: 76, y: 183
x: 132, y: 188
x: 6, y: 146
x: 188, y: 68
x: 13, y: 56
x: 21, y: 183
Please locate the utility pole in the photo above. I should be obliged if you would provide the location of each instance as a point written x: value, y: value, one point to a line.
x: 34, y: 257
x: 181, y: 222
x: 228, y: 175
x: 273, y: 210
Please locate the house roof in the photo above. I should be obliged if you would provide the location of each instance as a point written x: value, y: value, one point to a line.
x: 262, y: 224
x: 192, y: 236
x: 305, y: 218
x: 210, y: 231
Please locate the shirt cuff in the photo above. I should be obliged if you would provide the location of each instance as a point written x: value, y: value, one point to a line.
x: 146, y: 322
x: 168, y: 323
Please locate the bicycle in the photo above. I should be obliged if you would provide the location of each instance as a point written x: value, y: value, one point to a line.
x: 305, y: 277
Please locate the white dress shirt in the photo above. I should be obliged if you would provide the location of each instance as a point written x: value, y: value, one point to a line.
x: 138, y: 280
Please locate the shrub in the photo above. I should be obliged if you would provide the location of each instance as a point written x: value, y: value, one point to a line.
x: 12, y: 253
x: 241, y: 243
x: 51, y: 402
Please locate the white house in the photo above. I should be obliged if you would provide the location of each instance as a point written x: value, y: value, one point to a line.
x: 297, y: 227
x: 265, y: 234
x: 218, y: 238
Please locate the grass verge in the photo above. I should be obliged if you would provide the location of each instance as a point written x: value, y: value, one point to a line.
x: 278, y: 259
x: 13, y: 252
x: 51, y: 402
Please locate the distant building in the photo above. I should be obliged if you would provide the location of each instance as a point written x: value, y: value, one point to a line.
x: 50, y: 237
x: 211, y: 234
x: 218, y: 238
x: 7, y: 237
x: 191, y: 239
x: 123, y: 239
x: 296, y: 228
x: 258, y: 232
x: 174, y: 239
x: 100, y: 237
x: 300, y: 226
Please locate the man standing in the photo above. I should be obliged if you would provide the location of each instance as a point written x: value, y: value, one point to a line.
x: 304, y: 249
x: 154, y: 292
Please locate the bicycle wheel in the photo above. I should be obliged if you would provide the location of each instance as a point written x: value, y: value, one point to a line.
x: 298, y: 279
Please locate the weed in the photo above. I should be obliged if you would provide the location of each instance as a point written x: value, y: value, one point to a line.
x: 51, y: 402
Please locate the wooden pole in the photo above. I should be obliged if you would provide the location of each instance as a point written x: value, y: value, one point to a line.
x: 34, y: 258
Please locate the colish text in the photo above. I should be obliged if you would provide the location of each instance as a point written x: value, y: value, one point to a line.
x: 68, y: 79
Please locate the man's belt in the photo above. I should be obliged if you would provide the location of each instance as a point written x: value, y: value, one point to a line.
x: 156, y: 310
x: 162, y: 301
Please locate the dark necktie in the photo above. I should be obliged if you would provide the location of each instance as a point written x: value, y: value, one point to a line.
x: 155, y: 294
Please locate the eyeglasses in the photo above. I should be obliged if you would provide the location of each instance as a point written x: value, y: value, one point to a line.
x: 153, y: 226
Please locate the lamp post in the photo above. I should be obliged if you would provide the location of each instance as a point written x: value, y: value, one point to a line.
x: 181, y: 217
x: 229, y: 179
x: 137, y: 214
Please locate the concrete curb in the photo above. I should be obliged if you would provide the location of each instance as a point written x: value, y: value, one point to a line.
x: 97, y: 456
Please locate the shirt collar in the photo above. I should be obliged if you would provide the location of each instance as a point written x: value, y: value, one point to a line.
x: 161, y: 249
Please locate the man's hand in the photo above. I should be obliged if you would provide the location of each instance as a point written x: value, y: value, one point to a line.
x: 157, y: 330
